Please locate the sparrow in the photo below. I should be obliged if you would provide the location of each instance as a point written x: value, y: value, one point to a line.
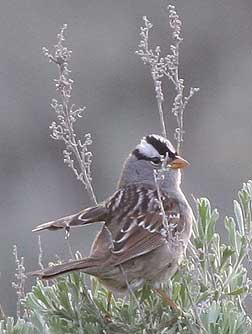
x: 135, y: 246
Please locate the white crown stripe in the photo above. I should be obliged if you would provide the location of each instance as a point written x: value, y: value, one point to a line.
x: 147, y: 149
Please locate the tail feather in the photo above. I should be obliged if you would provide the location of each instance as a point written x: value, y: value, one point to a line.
x: 95, y: 214
x: 87, y: 265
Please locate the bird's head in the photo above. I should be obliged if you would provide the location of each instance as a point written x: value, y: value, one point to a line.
x: 153, y: 152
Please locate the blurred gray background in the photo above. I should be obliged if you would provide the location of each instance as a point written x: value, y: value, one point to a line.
x: 118, y: 92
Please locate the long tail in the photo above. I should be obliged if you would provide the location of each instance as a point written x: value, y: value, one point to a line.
x: 88, y: 265
x: 90, y: 215
x: 101, y: 253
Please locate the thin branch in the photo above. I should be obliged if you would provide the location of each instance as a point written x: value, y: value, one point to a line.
x: 19, y: 284
x: 40, y: 256
x: 152, y: 58
x: 67, y: 115
x: 167, y: 66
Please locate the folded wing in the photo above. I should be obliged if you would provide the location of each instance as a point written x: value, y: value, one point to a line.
x: 94, y: 214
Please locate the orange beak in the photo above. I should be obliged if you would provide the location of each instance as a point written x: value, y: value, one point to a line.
x: 179, y: 162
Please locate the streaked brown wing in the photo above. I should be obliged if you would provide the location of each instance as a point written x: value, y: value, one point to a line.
x: 138, y: 240
x: 141, y: 226
x: 128, y: 203
x: 90, y: 215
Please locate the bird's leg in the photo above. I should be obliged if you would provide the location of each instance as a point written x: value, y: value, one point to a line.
x: 107, y: 313
x: 173, y: 305
x: 109, y: 298
x: 167, y: 299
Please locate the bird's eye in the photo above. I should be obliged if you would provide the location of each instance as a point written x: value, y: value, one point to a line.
x: 155, y: 161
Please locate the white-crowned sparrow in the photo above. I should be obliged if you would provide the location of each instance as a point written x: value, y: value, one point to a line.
x: 134, y: 246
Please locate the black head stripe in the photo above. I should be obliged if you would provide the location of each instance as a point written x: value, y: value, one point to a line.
x: 160, y: 146
x: 139, y: 155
